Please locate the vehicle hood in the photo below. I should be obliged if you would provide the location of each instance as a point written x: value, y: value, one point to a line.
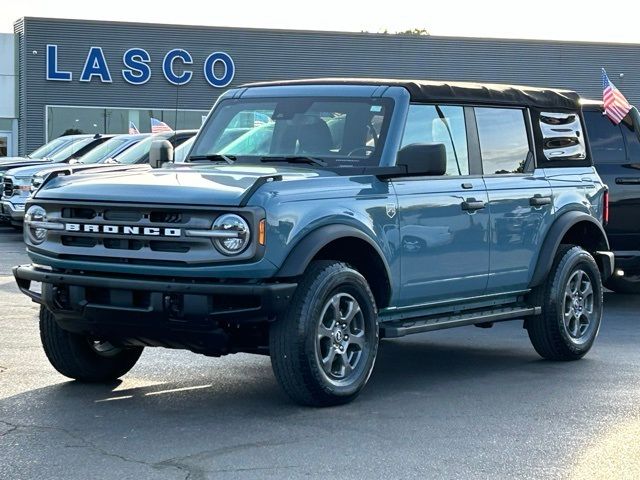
x: 181, y: 185
x: 13, y: 159
x: 31, y: 170
x: 6, y: 164
x: 69, y: 168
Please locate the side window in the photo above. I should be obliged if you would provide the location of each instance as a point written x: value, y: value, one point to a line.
x: 504, y: 144
x: 440, y: 124
x: 605, y: 138
x: 631, y: 137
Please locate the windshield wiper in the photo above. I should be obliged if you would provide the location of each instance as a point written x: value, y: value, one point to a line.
x: 295, y: 159
x: 215, y: 157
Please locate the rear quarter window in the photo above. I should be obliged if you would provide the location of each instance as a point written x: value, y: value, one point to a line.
x: 504, y: 143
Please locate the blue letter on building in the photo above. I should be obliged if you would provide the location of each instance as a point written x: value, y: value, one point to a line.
x: 167, y: 66
x: 52, y: 66
x: 95, y: 65
x: 138, y: 72
x: 229, y: 69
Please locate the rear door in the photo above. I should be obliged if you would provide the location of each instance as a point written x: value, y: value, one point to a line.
x: 616, y: 155
x: 520, y: 197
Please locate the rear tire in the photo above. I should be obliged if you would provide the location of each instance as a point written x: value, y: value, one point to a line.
x: 78, y: 357
x: 571, y: 300
x: 324, y: 348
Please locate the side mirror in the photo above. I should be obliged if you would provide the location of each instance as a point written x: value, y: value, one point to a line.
x: 161, y: 151
x: 423, y: 159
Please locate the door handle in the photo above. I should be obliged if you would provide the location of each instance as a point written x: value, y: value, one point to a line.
x: 471, y: 205
x: 628, y: 180
x: 538, y: 200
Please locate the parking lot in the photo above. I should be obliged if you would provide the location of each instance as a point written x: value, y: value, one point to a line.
x: 464, y: 403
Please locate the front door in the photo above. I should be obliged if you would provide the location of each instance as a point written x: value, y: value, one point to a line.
x: 520, y: 197
x: 6, y: 149
x: 444, y: 222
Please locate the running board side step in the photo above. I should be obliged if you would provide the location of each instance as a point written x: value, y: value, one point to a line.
x: 428, y: 324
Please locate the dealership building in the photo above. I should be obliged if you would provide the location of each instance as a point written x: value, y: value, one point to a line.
x: 61, y: 76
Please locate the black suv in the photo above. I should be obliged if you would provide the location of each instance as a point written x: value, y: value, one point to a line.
x: 616, y: 154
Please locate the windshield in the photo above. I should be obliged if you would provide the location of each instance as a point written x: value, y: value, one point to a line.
x: 50, y: 147
x: 180, y: 153
x: 68, y: 151
x: 106, y: 150
x: 339, y: 131
x: 138, y: 151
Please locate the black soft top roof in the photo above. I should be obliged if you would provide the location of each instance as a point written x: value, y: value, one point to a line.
x: 457, y: 92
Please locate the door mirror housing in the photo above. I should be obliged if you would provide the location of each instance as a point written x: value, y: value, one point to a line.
x: 428, y: 159
x: 161, y: 151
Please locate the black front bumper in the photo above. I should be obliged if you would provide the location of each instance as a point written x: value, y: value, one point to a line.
x: 150, y: 308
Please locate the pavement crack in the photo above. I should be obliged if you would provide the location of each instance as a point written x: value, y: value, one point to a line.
x: 188, y: 465
x: 253, y: 469
x: 12, y: 428
x: 83, y: 443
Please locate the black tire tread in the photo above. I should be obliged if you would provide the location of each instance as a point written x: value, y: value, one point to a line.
x: 299, y: 383
x: 542, y: 329
x: 70, y: 354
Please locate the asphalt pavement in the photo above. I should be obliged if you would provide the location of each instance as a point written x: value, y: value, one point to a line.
x: 466, y: 403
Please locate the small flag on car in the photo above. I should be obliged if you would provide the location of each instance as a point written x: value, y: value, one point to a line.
x: 133, y: 130
x: 157, y: 126
x: 616, y: 106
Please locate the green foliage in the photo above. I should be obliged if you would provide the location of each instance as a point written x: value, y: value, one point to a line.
x: 414, y: 31
x: 72, y: 131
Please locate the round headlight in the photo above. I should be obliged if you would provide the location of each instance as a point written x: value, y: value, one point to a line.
x: 233, y: 235
x: 32, y: 218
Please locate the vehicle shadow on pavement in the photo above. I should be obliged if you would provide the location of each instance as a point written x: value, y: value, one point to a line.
x: 405, y: 365
x: 226, y: 414
x: 428, y: 361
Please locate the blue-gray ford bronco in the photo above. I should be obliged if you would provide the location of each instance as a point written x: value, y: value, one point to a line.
x: 314, y: 218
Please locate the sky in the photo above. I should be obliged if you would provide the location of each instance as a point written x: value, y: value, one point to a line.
x: 533, y: 19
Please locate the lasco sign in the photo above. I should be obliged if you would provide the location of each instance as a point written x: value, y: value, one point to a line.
x: 137, y: 68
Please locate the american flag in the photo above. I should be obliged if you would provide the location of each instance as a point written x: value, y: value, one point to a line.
x: 157, y: 126
x: 133, y: 130
x: 616, y: 106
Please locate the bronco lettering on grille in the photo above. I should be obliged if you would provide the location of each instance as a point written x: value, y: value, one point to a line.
x: 123, y: 230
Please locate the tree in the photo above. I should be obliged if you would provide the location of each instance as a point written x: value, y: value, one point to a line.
x: 71, y: 131
x: 415, y: 31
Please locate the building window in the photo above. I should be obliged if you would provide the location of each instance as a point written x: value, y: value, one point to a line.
x: 76, y: 120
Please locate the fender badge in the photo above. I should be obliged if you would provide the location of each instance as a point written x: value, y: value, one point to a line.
x: 391, y: 210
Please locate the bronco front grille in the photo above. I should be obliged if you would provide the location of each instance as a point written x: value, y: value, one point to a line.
x: 136, y: 235
x: 131, y: 218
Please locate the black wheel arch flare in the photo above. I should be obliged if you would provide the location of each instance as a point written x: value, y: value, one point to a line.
x: 559, y: 229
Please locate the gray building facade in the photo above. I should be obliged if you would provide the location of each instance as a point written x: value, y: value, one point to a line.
x: 93, y: 76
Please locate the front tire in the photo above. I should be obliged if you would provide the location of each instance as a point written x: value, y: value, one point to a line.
x: 571, y: 301
x: 78, y: 357
x: 324, y: 348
